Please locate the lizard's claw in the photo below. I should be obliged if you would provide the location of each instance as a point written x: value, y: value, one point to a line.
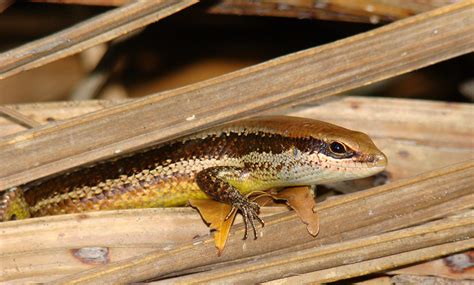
x: 250, y: 211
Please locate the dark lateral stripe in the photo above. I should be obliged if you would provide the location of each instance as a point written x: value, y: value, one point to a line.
x: 232, y: 145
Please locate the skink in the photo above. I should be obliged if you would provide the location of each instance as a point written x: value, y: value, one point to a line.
x: 224, y: 163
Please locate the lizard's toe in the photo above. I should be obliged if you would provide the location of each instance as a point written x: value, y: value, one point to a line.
x: 250, y: 212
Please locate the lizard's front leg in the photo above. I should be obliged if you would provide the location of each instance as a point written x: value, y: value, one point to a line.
x: 214, y: 182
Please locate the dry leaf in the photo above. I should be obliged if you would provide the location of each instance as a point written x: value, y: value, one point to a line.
x: 215, y: 214
x: 265, y: 198
x: 221, y: 235
x: 302, y: 201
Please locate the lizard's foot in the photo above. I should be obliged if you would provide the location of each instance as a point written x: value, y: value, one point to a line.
x: 250, y: 211
x: 13, y: 205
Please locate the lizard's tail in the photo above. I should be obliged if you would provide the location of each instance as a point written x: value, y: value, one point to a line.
x: 13, y: 205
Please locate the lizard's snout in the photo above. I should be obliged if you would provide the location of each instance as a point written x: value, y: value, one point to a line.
x: 379, y: 159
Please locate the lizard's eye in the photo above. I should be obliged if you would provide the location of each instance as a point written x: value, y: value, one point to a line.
x: 337, y: 148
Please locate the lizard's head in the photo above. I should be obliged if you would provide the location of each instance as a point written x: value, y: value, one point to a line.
x: 352, y: 152
x: 323, y: 152
x: 344, y: 154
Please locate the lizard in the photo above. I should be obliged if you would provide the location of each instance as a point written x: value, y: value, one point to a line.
x: 224, y: 163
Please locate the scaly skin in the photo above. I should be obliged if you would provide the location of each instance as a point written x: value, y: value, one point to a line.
x: 224, y: 163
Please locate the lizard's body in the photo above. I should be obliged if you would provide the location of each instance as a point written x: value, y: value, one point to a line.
x: 223, y: 163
